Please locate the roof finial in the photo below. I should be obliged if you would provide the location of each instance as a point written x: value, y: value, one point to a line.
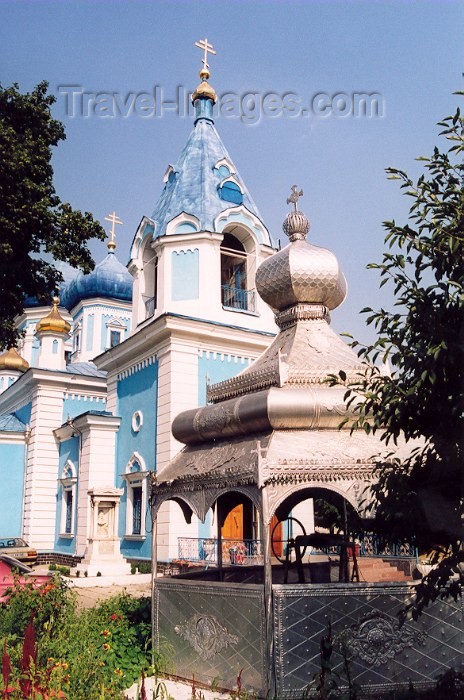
x: 207, y: 48
x: 296, y: 224
x: 295, y: 196
x: 113, y: 219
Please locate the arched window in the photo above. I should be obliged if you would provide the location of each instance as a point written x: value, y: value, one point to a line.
x: 68, y: 500
x: 230, y: 192
x: 136, y: 504
x: 234, y: 273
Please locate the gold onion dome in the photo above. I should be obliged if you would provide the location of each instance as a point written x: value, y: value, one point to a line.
x: 12, y: 360
x: 300, y: 273
x: 53, y: 321
x: 204, y: 89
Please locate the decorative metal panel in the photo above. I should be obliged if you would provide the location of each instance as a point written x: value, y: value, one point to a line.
x: 383, y: 654
x: 214, y: 629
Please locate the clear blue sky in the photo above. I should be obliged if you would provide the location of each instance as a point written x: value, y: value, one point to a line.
x: 410, y: 52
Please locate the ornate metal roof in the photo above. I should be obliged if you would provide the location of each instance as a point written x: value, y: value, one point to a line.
x: 277, y: 423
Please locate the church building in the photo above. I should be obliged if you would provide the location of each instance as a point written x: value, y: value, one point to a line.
x: 88, y: 397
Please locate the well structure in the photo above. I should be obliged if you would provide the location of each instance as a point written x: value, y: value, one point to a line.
x: 270, y: 437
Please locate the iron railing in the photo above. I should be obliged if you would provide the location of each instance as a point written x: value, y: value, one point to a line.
x: 372, y: 545
x: 241, y: 299
x: 204, y: 549
x: 236, y: 551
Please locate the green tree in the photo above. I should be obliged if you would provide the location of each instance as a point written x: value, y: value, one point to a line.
x: 33, y: 220
x: 420, y: 498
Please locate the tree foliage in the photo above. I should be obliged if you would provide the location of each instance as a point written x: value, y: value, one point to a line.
x: 33, y: 219
x: 420, y: 498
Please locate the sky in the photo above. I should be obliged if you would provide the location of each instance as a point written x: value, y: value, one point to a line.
x: 409, y: 53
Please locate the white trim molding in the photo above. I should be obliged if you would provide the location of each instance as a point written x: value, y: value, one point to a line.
x: 68, y: 483
x: 137, y: 421
x: 135, y: 478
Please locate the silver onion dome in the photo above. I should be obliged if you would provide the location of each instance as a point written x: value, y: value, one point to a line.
x: 300, y: 273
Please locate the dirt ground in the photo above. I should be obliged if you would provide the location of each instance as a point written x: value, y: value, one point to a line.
x: 89, y: 597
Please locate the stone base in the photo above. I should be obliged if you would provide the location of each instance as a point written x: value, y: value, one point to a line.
x: 105, y: 568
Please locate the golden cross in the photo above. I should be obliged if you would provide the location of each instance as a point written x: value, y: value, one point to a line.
x: 113, y: 219
x: 207, y: 48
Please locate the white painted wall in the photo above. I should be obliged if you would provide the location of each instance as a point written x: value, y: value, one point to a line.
x: 42, y: 469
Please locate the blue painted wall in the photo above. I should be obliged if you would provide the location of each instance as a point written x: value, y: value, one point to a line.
x: 217, y: 368
x: 75, y: 405
x: 69, y: 449
x: 137, y: 392
x: 185, y: 267
x: 11, y: 491
x: 24, y: 413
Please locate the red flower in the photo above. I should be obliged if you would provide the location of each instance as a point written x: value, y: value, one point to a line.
x: 143, y: 692
x: 6, y: 673
x: 114, y: 616
x: 29, y: 654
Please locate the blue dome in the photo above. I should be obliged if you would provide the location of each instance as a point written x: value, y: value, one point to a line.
x: 110, y: 279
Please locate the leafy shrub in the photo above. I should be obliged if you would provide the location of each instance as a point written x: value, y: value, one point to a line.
x: 93, y: 653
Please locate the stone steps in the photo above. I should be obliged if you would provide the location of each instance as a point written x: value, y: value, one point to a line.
x: 379, y: 571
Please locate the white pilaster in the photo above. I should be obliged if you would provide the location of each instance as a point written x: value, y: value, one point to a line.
x: 42, y: 468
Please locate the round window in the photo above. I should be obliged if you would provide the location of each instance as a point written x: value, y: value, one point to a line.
x: 137, y: 421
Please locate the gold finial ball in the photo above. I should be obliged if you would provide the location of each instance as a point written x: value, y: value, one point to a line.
x: 55, y: 300
x: 204, y: 74
x: 111, y: 245
x: 296, y: 226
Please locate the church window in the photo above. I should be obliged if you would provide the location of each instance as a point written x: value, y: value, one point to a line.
x: 69, y: 510
x: 115, y: 338
x: 55, y: 347
x: 234, y: 292
x: 68, y: 493
x: 136, y: 510
x: 115, y: 329
x: 230, y: 192
x: 137, y: 421
x: 223, y: 171
x: 136, y: 502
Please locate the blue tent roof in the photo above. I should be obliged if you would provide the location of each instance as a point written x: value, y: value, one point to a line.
x: 194, y: 184
x: 110, y: 279
x: 11, y: 424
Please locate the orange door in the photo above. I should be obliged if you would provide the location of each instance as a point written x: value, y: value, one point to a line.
x: 233, y: 525
x: 277, y: 544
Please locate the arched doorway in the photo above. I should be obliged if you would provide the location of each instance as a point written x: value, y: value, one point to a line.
x: 329, y: 543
